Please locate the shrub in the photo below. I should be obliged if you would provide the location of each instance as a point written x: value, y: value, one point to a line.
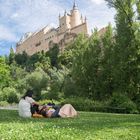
x: 121, y: 101
x: 37, y: 80
x: 48, y: 101
x: 10, y: 95
x: 116, y: 104
x: 85, y: 104
x: 3, y: 103
x: 137, y: 101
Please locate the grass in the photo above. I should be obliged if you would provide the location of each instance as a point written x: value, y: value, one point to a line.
x: 87, y: 126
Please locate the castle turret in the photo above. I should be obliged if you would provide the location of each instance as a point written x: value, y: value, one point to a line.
x: 75, y: 16
x: 64, y: 22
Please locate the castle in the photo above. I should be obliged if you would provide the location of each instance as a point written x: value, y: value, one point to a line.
x: 70, y: 25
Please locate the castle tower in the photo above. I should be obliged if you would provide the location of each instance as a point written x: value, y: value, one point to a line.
x: 75, y: 16
x: 64, y: 22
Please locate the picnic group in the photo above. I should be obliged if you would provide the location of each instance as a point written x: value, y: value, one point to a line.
x: 28, y: 108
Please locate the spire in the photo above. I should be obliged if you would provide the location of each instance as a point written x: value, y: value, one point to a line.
x: 65, y: 13
x: 59, y: 15
x: 75, y: 5
x: 85, y: 19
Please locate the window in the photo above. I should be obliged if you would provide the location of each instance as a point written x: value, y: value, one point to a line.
x: 38, y: 44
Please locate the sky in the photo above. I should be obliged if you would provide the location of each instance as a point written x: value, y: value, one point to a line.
x: 18, y: 17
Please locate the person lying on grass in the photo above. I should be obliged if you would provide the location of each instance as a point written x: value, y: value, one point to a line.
x: 49, y: 111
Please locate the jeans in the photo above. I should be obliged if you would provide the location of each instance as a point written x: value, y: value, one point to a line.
x: 56, y: 113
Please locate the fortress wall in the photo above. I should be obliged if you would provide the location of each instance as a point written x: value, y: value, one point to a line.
x: 80, y: 29
x: 42, y: 40
x: 33, y: 44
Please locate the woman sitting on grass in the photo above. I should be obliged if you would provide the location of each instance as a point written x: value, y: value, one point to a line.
x: 26, y: 103
x: 52, y: 112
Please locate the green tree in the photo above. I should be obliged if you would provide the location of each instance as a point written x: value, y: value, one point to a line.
x: 4, y: 73
x: 126, y: 49
x: 22, y: 59
x: 11, y: 56
x: 37, y: 80
x: 86, y: 66
x: 53, y: 54
x: 107, y: 63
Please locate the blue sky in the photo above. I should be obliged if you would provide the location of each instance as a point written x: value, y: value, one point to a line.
x: 20, y: 16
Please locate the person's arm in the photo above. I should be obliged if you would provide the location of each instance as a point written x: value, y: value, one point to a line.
x: 31, y: 101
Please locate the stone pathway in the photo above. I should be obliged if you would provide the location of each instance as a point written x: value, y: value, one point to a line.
x: 12, y: 107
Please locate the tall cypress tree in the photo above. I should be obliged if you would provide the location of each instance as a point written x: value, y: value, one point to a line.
x: 125, y: 69
x: 11, y: 56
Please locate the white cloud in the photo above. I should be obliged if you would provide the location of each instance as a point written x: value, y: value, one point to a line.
x: 99, y: 16
x: 6, y: 34
x: 28, y: 15
x: 98, y: 2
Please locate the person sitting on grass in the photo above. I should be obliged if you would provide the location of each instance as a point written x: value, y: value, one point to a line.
x: 65, y: 111
x: 26, y: 104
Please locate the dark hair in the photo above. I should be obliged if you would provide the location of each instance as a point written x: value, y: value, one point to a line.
x: 43, y: 113
x: 28, y: 93
x: 34, y: 109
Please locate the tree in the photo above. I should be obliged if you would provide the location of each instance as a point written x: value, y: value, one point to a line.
x: 107, y: 63
x: 126, y: 49
x: 4, y: 73
x: 22, y: 59
x: 86, y: 66
x: 11, y: 56
x: 37, y: 80
x: 53, y: 54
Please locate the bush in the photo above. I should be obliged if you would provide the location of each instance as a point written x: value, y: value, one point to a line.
x: 84, y: 104
x: 137, y: 101
x: 37, y: 80
x: 121, y: 101
x: 3, y: 103
x: 10, y: 95
x: 117, y: 104
x: 42, y: 102
x: 47, y: 94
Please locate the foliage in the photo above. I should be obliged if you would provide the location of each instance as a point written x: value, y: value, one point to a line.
x: 85, y: 104
x: 37, y: 80
x: 9, y: 94
x: 3, y: 103
x: 70, y: 87
x: 122, y: 101
x: 88, y: 69
x: 53, y: 54
x: 126, y: 50
x: 57, y: 80
x: 22, y: 59
x: 46, y: 101
x: 11, y: 56
x: 4, y: 73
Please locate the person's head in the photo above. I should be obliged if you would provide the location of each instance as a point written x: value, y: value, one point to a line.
x: 34, y: 109
x: 29, y: 93
x: 43, y: 113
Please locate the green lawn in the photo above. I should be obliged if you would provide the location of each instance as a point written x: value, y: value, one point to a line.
x: 87, y: 126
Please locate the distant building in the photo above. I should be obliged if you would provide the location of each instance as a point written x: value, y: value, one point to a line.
x: 70, y: 25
